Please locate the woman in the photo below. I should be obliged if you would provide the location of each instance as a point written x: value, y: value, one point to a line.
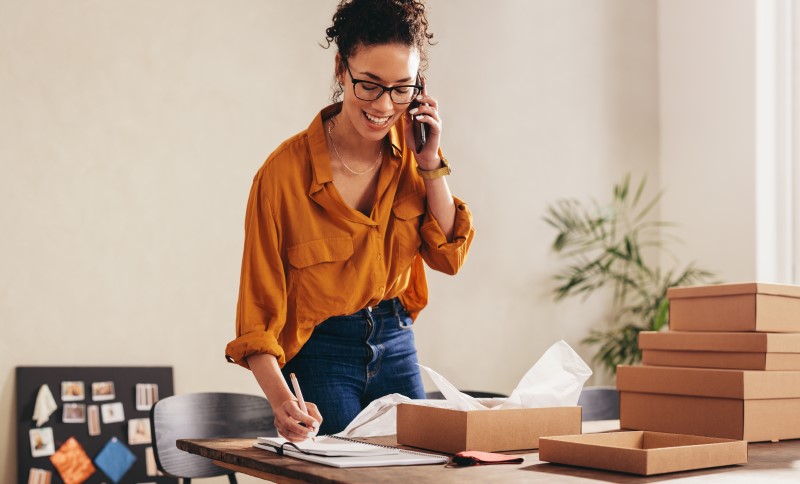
x: 339, y: 221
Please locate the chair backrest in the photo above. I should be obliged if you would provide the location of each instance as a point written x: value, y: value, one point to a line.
x: 204, y: 416
x: 599, y: 403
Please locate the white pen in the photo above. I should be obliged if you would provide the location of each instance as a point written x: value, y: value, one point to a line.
x: 300, y: 400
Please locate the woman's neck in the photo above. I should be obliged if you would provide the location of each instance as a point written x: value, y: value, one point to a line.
x: 349, y: 141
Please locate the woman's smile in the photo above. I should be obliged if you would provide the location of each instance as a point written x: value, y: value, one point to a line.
x: 380, y: 121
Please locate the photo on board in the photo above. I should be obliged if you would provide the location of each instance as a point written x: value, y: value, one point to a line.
x: 103, y: 391
x: 93, y: 418
x: 42, y: 444
x: 139, y: 431
x: 112, y: 412
x: 74, y: 413
x: 72, y: 391
x: 146, y: 395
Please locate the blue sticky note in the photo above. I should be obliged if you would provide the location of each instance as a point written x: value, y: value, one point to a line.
x: 115, y: 459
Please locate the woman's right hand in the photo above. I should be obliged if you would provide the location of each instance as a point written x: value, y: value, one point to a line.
x: 286, y: 409
x: 293, y: 424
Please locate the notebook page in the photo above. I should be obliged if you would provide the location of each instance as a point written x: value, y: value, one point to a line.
x: 402, y: 458
x: 327, y: 446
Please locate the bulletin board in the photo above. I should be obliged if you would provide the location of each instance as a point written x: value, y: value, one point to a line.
x: 110, y: 389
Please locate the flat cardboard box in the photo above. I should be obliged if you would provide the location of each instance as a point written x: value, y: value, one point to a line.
x: 452, y: 431
x: 735, y: 307
x: 643, y: 453
x: 728, y: 418
x: 744, y: 351
x: 709, y: 382
x: 734, y: 404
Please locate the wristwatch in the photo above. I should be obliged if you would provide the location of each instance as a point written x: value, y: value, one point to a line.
x: 444, y: 169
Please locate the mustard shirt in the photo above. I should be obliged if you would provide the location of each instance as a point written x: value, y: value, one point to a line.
x: 309, y: 256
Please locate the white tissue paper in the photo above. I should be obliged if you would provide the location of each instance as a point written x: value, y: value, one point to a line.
x: 45, y: 405
x: 556, y: 380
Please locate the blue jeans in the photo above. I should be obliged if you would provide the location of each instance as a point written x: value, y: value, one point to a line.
x: 352, y: 360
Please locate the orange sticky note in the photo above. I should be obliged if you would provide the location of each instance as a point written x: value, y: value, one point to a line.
x: 72, y: 463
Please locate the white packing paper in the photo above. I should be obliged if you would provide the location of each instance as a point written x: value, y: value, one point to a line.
x: 45, y: 405
x: 555, y: 380
x: 457, y: 399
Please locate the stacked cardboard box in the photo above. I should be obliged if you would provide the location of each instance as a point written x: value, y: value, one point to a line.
x: 729, y: 366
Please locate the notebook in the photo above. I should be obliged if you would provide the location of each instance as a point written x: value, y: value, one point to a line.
x: 341, y: 452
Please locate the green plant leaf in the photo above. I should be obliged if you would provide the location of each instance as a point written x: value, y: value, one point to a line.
x: 618, y: 245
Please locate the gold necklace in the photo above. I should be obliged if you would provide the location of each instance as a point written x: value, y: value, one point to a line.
x: 380, y: 153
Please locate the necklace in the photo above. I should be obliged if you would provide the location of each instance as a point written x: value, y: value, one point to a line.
x: 380, y: 153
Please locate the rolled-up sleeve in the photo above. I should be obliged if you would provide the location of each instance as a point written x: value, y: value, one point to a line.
x: 261, y: 309
x: 438, y: 253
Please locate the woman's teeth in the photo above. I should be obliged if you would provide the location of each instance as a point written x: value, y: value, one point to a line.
x: 376, y: 120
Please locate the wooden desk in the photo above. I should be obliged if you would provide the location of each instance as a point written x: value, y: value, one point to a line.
x: 768, y: 462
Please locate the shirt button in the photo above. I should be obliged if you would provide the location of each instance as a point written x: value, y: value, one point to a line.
x: 381, y: 289
x: 378, y: 257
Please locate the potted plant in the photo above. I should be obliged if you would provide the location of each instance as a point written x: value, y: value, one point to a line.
x: 617, y: 245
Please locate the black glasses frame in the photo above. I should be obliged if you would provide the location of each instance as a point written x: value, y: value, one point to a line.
x: 382, y: 87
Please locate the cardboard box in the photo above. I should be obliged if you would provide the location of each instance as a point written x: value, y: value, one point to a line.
x: 453, y: 431
x: 735, y: 307
x: 734, y: 404
x: 709, y: 382
x: 728, y: 418
x: 708, y: 359
x: 644, y: 453
x: 745, y: 351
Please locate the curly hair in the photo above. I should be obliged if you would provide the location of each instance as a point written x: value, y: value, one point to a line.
x: 376, y: 22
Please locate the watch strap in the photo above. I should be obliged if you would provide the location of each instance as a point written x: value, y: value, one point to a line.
x: 444, y: 169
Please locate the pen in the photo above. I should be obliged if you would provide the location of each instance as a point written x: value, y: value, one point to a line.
x: 300, y: 400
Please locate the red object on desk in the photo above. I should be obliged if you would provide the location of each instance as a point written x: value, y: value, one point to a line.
x: 475, y: 457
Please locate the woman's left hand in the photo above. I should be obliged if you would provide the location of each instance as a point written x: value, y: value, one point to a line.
x: 427, y: 111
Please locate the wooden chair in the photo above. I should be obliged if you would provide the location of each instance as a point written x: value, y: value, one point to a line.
x: 599, y: 403
x: 204, y: 416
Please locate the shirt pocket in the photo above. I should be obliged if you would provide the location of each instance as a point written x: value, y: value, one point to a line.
x: 407, y: 219
x: 321, y: 275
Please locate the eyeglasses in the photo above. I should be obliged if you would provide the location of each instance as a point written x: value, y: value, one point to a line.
x: 370, y: 91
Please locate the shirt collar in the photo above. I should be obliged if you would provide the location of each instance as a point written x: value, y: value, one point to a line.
x: 318, y: 146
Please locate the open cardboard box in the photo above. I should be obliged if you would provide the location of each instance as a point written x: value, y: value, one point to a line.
x: 735, y: 404
x: 643, y: 453
x: 735, y: 307
x: 745, y: 351
x: 452, y: 431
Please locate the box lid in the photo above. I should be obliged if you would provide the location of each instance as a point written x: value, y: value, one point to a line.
x: 721, y: 342
x: 733, y: 289
x: 642, y: 452
x: 709, y: 382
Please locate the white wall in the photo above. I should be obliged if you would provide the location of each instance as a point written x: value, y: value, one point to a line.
x: 560, y: 99
x: 130, y: 132
x: 708, y: 158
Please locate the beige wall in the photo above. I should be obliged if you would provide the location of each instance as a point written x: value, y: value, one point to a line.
x: 130, y: 132
x: 707, y: 65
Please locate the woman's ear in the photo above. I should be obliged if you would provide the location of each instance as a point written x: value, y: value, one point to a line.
x: 338, y: 69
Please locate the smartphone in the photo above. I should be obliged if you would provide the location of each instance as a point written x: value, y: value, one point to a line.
x: 420, y: 128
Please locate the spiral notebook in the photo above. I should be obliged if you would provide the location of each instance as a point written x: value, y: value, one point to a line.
x: 341, y: 452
